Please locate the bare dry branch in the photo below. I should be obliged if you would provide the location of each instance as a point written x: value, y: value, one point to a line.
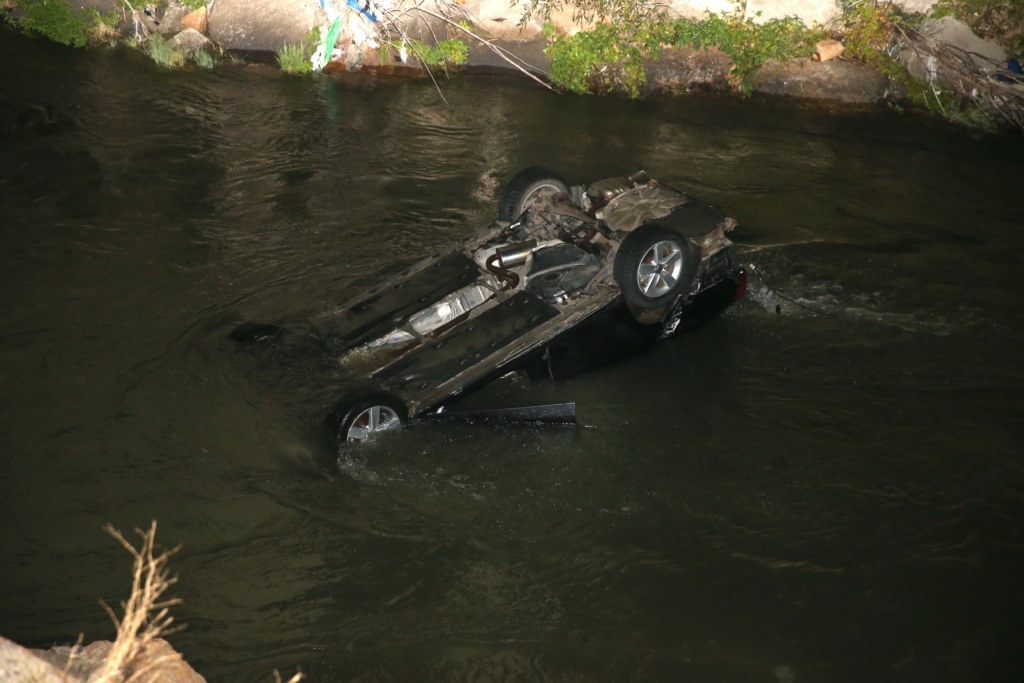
x: 146, y: 616
x: 958, y: 69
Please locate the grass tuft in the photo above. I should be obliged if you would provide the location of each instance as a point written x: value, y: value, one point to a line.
x: 294, y: 58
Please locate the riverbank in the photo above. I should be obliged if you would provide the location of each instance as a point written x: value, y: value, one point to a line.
x: 860, y: 54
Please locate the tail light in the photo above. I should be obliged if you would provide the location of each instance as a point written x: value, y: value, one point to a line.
x: 741, y: 286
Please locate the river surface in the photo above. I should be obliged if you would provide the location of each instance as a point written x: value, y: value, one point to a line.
x: 824, y: 485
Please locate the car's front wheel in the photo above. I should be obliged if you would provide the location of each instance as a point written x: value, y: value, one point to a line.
x: 361, y: 418
x: 654, y: 265
x: 524, y: 187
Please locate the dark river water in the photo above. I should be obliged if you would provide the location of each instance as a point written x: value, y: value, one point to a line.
x: 830, y: 493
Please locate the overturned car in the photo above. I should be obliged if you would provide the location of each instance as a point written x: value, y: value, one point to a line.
x: 566, y: 279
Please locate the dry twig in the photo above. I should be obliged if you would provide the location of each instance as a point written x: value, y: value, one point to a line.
x: 956, y: 68
x: 146, y: 616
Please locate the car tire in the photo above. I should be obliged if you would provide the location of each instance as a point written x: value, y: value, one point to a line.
x: 524, y: 186
x: 360, y: 418
x: 654, y: 265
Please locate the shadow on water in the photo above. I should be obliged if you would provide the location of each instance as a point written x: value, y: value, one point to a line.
x: 823, y: 485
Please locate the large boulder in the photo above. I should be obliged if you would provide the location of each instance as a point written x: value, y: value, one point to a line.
x: 698, y: 9
x: 423, y: 20
x: 951, y: 32
x: 686, y: 70
x: 811, y: 12
x: 190, y: 40
x: 916, y: 6
x: 504, y: 19
x: 262, y: 25
x: 21, y: 664
x: 62, y: 664
x: 504, y: 55
x: 835, y: 80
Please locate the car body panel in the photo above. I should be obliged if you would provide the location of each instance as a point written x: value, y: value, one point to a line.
x: 526, y: 327
x: 542, y: 294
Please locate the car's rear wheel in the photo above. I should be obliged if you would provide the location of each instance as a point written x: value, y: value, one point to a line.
x: 524, y: 187
x: 361, y: 418
x: 654, y: 265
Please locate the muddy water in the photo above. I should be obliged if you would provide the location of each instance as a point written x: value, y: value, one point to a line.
x: 823, y: 485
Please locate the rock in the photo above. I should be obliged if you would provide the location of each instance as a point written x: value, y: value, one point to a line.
x: 171, y: 18
x: 828, y: 49
x: 811, y: 12
x: 423, y: 21
x: 684, y: 70
x: 160, y: 661
x: 262, y: 25
x: 20, y: 664
x: 191, y: 40
x: 699, y: 9
x: 838, y: 81
x: 196, y: 20
x: 915, y: 6
x: 986, y: 56
x: 527, y: 53
x: 499, y: 19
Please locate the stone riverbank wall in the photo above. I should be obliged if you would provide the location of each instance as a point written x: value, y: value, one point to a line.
x: 504, y: 36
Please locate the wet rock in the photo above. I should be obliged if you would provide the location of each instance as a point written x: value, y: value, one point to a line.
x: 262, y: 25
x: 835, y: 80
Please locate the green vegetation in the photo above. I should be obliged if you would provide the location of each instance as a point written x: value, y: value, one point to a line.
x: 623, y: 35
x: 202, y: 59
x: 56, y: 20
x: 747, y: 43
x: 446, y: 52
x: 612, y: 55
x: 870, y: 35
x: 604, y: 58
x: 170, y: 57
x: 294, y: 58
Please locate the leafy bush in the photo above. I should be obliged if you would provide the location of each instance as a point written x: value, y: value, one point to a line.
x: 55, y: 20
x: 585, y: 60
x: 451, y: 51
x: 748, y: 44
x: 613, y: 54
